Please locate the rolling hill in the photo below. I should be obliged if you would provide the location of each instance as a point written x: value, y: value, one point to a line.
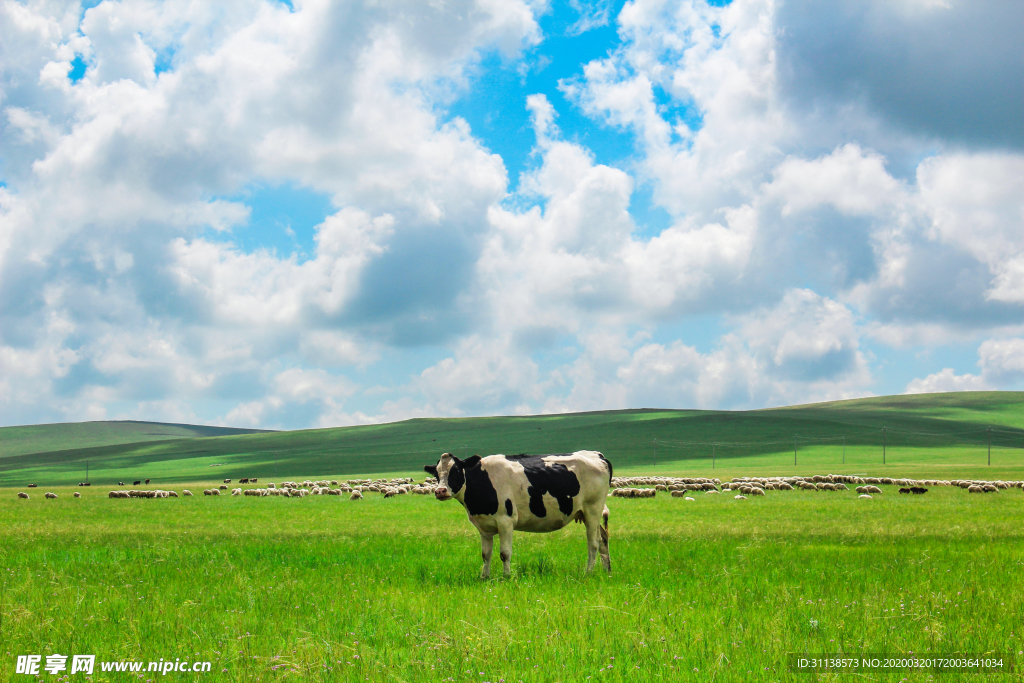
x: 937, y: 427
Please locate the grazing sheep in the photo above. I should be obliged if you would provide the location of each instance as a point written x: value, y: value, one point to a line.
x: 739, y: 497
x: 861, y: 489
x: 171, y: 494
x: 186, y: 492
x: 989, y: 488
x: 864, y: 495
x: 689, y: 499
x: 236, y: 492
x: 208, y: 492
x: 271, y: 485
x: 50, y: 495
x: 222, y: 487
x: 757, y: 492
x: 714, y: 491
x: 873, y: 489
x: 356, y: 495
x: 77, y: 494
x: 975, y: 489
x: 22, y: 494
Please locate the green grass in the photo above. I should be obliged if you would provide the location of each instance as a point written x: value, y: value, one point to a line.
x: 940, y: 430
x: 325, y: 589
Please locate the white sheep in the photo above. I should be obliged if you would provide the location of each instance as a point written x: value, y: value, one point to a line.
x: 50, y: 495
x: 22, y: 494
x: 76, y: 494
x: 186, y: 492
x: 739, y: 497
x: 356, y: 495
x: 865, y: 495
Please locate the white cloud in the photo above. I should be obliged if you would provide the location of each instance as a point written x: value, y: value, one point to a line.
x: 801, y: 218
x: 1002, y: 367
x: 947, y: 380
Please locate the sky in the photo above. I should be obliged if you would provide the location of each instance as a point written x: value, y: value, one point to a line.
x: 309, y: 214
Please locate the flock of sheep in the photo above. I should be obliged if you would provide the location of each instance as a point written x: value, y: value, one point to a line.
x: 623, y: 487
x: 679, y: 487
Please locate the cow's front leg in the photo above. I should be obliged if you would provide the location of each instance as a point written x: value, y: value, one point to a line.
x: 505, y: 546
x: 487, y: 546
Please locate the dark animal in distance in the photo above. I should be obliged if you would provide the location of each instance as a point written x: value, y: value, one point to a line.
x: 904, y: 490
x: 536, y: 493
x: 918, y: 490
x: 136, y: 482
x: 147, y: 481
x: 32, y: 486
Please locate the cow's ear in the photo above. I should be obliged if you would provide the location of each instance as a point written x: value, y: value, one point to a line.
x: 470, y: 463
x: 431, y: 470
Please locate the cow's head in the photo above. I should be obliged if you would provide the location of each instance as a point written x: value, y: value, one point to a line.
x: 450, y: 474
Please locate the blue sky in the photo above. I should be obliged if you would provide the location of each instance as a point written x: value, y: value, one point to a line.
x: 303, y: 214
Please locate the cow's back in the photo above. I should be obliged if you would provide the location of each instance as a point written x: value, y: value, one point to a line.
x: 545, y: 492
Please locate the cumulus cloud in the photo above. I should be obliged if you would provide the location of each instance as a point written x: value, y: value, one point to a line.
x: 827, y: 188
x: 1002, y: 367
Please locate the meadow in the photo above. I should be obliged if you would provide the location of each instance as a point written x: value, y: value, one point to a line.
x: 327, y: 589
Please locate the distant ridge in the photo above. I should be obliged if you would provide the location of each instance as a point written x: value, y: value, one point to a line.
x: 60, y: 436
x: 954, y: 427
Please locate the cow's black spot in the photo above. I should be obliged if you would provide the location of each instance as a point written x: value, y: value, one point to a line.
x: 456, y: 479
x: 508, y: 507
x: 431, y: 470
x: 553, y: 478
x: 480, y: 498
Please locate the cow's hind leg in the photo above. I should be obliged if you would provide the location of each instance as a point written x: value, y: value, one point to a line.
x: 593, y: 543
x: 505, y: 547
x: 487, y: 545
x: 606, y: 559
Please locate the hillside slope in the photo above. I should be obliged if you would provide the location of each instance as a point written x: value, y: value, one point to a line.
x: 630, y: 438
x: 59, y: 437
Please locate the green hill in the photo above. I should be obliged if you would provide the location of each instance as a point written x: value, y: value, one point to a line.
x: 63, y: 436
x: 935, y: 429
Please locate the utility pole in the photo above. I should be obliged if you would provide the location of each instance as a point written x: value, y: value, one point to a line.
x: 883, y: 445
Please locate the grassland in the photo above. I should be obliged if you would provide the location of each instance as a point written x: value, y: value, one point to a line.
x: 325, y: 589
x: 940, y: 430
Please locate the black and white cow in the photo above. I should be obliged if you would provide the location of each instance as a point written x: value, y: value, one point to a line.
x: 539, y: 493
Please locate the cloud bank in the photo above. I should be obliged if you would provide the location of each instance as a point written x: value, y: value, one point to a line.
x: 834, y: 198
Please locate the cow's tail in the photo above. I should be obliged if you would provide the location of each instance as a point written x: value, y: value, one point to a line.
x: 604, y: 519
